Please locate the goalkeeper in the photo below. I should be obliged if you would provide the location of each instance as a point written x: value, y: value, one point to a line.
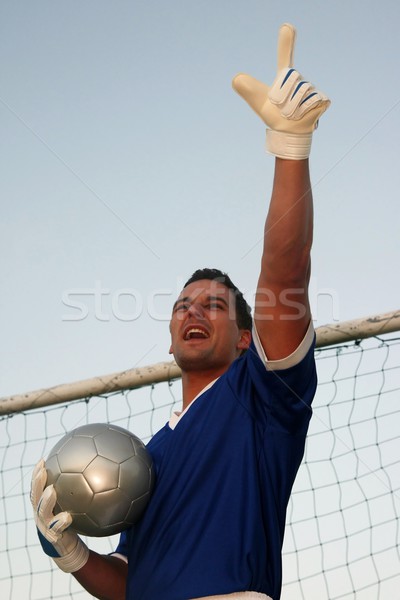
x: 226, y: 465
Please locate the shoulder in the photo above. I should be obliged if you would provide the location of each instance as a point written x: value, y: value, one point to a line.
x: 255, y: 365
x: 276, y: 390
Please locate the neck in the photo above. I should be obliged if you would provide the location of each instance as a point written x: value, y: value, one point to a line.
x: 194, y: 381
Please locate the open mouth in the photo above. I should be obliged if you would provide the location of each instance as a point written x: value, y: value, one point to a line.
x: 195, y: 333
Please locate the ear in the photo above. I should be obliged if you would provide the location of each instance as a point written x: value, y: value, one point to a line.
x: 244, y: 340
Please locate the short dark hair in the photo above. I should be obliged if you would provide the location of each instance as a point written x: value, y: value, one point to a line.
x: 243, y: 310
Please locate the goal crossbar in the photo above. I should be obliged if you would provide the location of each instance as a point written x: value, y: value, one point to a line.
x: 326, y: 335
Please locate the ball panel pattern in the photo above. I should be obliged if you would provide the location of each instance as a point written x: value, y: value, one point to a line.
x: 135, y: 469
x: 105, y: 444
x: 76, y: 454
x: 103, y: 476
x: 74, y: 494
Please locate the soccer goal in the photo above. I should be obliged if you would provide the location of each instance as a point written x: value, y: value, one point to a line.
x: 342, y: 537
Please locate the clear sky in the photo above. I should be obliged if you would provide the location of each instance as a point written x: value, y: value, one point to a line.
x: 127, y: 162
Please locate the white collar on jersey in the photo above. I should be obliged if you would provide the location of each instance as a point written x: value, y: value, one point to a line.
x: 177, y: 416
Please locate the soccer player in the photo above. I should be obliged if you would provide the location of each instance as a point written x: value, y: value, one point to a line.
x: 226, y: 464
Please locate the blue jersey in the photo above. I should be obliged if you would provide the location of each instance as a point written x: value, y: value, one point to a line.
x: 216, y: 519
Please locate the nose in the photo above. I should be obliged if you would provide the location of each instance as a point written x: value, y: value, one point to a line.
x: 196, y: 310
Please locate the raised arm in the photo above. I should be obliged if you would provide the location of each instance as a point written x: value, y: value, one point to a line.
x: 290, y: 108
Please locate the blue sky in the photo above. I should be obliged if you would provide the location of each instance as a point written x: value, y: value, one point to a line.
x: 127, y: 162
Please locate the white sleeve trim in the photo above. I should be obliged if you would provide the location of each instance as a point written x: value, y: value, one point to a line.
x: 120, y: 556
x: 291, y: 360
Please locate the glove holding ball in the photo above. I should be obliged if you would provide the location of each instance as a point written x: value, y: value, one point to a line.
x: 290, y: 108
x: 58, y: 541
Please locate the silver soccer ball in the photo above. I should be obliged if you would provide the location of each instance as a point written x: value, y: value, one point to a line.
x: 103, y: 476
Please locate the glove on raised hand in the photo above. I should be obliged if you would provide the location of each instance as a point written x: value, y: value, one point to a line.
x: 290, y: 108
x: 60, y: 543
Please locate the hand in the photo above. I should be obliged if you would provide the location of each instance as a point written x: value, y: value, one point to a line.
x: 58, y: 541
x: 290, y: 108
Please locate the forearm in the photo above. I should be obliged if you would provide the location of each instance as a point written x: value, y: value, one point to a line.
x: 282, y: 311
x: 289, y: 225
x: 104, y: 577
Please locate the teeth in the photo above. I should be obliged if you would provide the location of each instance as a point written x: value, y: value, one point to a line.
x: 195, y: 330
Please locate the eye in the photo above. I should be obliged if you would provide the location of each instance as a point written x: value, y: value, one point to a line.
x: 182, y: 306
x: 215, y: 305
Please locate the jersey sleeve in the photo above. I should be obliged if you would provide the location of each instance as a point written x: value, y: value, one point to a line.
x: 279, y: 399
x: 289, y: 361
x: 122, y: 548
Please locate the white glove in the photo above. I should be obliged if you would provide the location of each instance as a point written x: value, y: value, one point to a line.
x: 290, y: 108
x: 60, y: 543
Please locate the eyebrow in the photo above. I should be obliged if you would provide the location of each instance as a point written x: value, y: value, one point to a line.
x: 208, y: 298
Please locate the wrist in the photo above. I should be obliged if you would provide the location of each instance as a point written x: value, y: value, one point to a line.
x: 74, y: 560
x: 291, y: 146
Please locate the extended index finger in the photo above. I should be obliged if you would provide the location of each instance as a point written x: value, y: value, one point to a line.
x: 286, y: 42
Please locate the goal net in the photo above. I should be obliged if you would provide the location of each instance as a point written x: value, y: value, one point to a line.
x: 342, y: 537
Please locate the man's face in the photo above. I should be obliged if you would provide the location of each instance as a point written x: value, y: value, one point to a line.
x: 204, y: 331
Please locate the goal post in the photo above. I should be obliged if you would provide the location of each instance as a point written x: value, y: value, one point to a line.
x: 342, y: 538
x: 326, y: 335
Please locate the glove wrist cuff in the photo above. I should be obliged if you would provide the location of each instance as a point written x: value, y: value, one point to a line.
x: 75, y: 560
x: 292, y: 146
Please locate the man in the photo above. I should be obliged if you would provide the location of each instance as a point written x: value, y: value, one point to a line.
x: 225, y: 466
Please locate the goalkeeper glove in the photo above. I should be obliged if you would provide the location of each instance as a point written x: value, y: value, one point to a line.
x: 58, y: 541
x: 290, y: 108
